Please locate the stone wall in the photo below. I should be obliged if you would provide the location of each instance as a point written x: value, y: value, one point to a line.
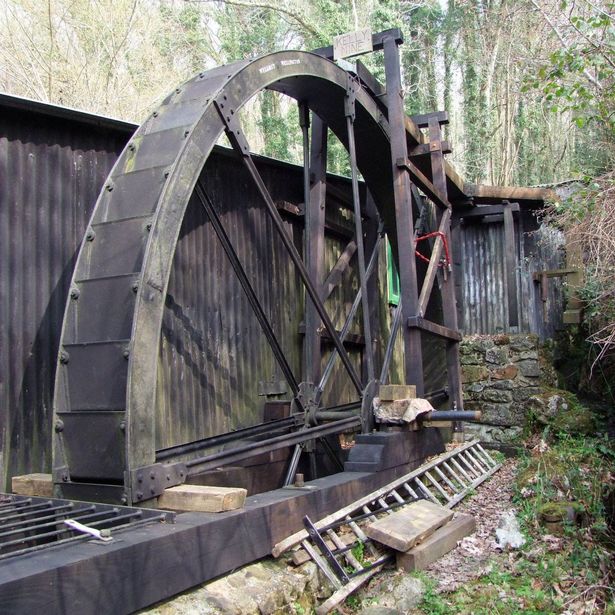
x: 500, y: 373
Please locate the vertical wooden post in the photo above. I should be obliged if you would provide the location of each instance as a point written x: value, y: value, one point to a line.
x: 510, y: 251
x: 447, y: 285
x: 315, y: 245
x: 413, y: 355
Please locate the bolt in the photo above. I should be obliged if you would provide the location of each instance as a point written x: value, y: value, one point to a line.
x: 186, y: 133
x: 126, y: 353
x: 148, y: 227
x: 124, y: 500
x: 109, y: 187
x: 74, y: 294
x: 181, y: 473
x: 299, y: 482
x: 139, y: 495
x: 152, y: 475
x: 132, y: 147
x: 59, y: 426
x: 122, y: 426
x: 135, y: 287
x: 155, y: 114
x: 64, y: 357
x: 140, y: 477
x: 89, y: 236
x: 152, y: 491
x: 105, y: 533
x: 65, y: 477
x: 168, y: 477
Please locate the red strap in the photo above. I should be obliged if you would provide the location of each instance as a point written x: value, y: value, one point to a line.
x: 442, y: 236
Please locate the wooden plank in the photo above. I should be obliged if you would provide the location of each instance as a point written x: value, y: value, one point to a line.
x: 391, y: 392
x: 201, y: 498
x: 432, y: 327
x: 37, y: 484
x: 488, y: 210
x: 405, y: 528
x: 427, y: 148
x: 423, y: 182
x: 438, y: 544
x: 341, y: 266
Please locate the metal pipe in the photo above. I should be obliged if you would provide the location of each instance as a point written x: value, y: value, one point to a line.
x: 328, y: 415
x: 388, y: 355
x: 451, y: 415
x: 273, y: 444
x: 225, y: 438
x: 358, y: 225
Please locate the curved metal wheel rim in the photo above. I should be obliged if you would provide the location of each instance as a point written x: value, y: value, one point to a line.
x: 300, y: 75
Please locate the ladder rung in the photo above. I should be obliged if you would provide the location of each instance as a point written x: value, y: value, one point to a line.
x: 426, y: 491
x: 486, y: 455
x: 454, y: 475
x: 411, y: 491
x: 469, y: 465
x: 477, y: 465
x: 397, y: 497
x: 463, y: 472
x: 347, y: 555
x: 368, y: 511
x: 445, y: 479
x: 322, y: 563
x: 437, y: 485
x: 360, y: 534
x: 385, y: 506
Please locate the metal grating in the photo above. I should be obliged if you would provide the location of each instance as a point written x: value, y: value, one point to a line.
x: 29, y: 524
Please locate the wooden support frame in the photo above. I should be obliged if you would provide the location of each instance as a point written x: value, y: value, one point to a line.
x: 413, y: 359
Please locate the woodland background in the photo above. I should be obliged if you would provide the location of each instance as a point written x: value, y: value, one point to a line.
x: 529, y: 86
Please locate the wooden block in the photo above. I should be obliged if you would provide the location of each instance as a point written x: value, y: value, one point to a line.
x: 405, y: 528
x: 391, y: 392
x: 200, y: 498
x: 40, y: 485
x: 438, y: 544
x: 437, y: 423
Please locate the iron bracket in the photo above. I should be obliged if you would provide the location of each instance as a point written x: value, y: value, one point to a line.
x: 149, y: 482
x: 306, y: 400
x: 231, y: 125
x: 349, y: 101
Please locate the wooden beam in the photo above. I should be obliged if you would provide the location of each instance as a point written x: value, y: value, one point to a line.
x: 510, y: 258
x: 314, y: 247
x: 406, y: 260
x: 432, y: 268
x: 338, y: 270
x: 427, y: 148
x: 422, y: 120
x: 416, y: 322
x: 438, y: 544
x: 489, y: 210
x: 37, y: 484
x: 421, y: 180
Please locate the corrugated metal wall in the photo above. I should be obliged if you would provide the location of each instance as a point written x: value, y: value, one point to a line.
x: 51, y: 170
x: 213, y: 357
x: 484, y: 288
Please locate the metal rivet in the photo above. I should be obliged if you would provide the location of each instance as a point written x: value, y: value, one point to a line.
x: 152, y: 491
x: 123, y: 426
x: 168, y: 477
x: 59, y: 426
x: 140, y: 478
x: 74, y: 293
x: 177, y: 90
x: 139, y: 495
x: 186, y: 133
x: 181, y: 473
x: 64, y: 357
x: 132, y: 147
x: 109, y: 187
x: 155, y: 114
x: 124, y: 500
x: 89, y: 236
x: 126, y: 353
x: 152, y: 475
x: 135, y: 287
x: 148, y: 227
x: 65, y: 478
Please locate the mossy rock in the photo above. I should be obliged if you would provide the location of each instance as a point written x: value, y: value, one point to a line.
x: 562, y: 411
x: 561, y: 511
